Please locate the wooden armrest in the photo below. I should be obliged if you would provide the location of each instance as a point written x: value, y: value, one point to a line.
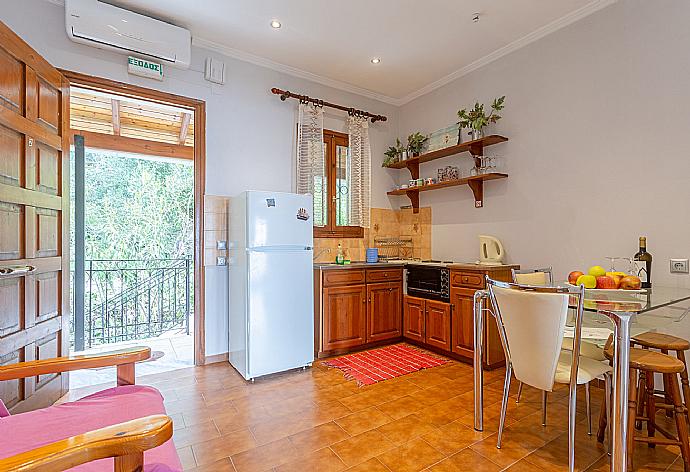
x: 23, y: 370
x: 126, y: 442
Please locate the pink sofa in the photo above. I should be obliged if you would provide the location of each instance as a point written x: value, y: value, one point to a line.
x: 123, y: 422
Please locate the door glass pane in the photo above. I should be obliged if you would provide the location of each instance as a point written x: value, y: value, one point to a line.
x: 342, y: 185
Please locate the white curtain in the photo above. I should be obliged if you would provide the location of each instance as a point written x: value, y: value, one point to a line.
x: 359, y: 171
x: 311, y: 168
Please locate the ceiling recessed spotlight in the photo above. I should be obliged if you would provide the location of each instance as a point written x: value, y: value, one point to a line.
x: 275, y: 24
x: 376, y: 60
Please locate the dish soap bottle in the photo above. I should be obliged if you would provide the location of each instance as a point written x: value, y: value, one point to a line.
x: 340, y: 257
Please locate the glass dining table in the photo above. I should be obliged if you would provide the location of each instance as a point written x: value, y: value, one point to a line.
x: 617, y: 312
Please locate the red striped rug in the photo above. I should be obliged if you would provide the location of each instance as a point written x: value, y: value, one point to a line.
x: 369, y: 367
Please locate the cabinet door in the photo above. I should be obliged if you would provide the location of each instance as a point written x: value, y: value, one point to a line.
x: 413, y: 319
x: 384, y: 311
x: 438, y: 324
x: 344, y: 316
x: 462, y: 322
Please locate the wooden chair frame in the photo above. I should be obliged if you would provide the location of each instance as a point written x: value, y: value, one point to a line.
x: 125, y: 442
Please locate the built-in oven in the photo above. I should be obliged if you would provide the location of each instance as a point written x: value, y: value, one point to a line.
x: 428, y: 281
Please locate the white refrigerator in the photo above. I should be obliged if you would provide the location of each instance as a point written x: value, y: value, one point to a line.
x: 270, y: 262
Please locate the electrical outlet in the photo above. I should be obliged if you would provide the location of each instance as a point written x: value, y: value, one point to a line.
x: 221, y: 245
x: 679, y: 266
x: 220, y: 260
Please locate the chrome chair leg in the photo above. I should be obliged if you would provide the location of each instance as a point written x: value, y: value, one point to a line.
x: 504, y: 404
x: 544, y: 396
x: 589, y: 409
x: 572, y: 411
x: 519, y: 393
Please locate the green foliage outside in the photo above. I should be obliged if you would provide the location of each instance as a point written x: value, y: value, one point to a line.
x: 137, y: 208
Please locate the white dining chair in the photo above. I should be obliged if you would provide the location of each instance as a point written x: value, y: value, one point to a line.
x: 531, y: 320
x: 544, y: 277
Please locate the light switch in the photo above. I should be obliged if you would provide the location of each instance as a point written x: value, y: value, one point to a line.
x: 221, y: 245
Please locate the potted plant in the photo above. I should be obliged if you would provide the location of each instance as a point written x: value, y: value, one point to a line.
x: 476, y: 118
x: 394, y: 153
x: 415, y: 143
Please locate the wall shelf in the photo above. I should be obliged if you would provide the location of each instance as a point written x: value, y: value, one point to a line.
x: 475, y: 147
x: 476, y: 183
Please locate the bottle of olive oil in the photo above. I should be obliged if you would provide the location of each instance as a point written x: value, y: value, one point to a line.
x: 643, y: 264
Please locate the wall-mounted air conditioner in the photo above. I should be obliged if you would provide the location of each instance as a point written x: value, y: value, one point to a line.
x: 105, y: 26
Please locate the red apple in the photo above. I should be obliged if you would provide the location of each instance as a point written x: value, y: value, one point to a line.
x: 605, y: 281
x: 631, y: 282
x: 573, y: 276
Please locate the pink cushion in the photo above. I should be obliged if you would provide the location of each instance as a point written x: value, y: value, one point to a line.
x: 26, y: 431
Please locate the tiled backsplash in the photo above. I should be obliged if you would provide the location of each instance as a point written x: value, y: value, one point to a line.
x: 384, y: 223
x: 215, y: 227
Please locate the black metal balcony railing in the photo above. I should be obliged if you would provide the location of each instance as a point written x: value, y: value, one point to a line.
x: 126, y: 300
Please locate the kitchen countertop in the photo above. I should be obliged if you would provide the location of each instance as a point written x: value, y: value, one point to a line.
x: 356, y: 265
x: 475, y: 266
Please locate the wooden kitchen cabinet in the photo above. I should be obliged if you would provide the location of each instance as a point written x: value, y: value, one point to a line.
x: 462, y: 322
x: 465, y: 280
x: 414, y: 321
x: 438, y: 322
x: 384, y: 311
x: 344, y: 316
x: 355, y: 308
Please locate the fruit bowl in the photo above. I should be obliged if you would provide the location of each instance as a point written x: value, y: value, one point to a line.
x: 610, y: 290
x: 598, y: 279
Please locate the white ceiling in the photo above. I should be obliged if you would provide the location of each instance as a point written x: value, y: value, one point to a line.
x: 422, y: 44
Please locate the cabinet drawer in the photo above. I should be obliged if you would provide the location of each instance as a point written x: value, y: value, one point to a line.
x: 383, y: 275
x: 343, y: 277
x: 467, y: 279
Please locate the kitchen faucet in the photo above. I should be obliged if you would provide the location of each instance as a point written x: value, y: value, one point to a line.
x: 323, y: 251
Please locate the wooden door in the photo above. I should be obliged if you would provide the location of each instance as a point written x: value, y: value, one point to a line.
x: 462, y: 322
x: 344, y: 316
x: 34, y: 219
x: 384, y: 311
x: 437, y: 332
x: 413, y: 319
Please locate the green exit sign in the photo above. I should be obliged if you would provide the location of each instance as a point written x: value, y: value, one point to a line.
x: 144, y: 68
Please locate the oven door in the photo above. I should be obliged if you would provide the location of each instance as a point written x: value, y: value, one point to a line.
x: 425, y: 282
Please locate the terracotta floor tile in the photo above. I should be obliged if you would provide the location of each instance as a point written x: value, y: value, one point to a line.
x: 186, y: 457
x: 362, y: 447
x: 317, y: 438
x: 195, y: 434
x: 412, y: 456
x: 364, y: 420
x: 223, y: 465
x: 323, y: 460
x: 405, y: 429
x: 453, y: 437
x: 465, y: 460
x: 223, y: 446
x: 265, y: 457
x: 372, y: 465
x: 509, y: 453
x: 401, y: 407
x: 295, y: 417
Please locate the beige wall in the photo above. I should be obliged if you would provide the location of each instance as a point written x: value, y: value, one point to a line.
x: 597, y: 115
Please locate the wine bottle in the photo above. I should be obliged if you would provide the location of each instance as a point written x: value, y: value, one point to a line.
x: 643, y: 264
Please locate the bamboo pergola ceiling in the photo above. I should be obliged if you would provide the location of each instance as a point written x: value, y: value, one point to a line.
x: 145, y: 127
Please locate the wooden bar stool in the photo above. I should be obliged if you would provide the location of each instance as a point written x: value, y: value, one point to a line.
x: 666, y: 343
x: 651, y: 362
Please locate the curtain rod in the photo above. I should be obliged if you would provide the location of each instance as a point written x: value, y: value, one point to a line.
x: 284, y: 95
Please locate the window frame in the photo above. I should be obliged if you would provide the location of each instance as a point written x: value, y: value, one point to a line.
x: 333, y: 139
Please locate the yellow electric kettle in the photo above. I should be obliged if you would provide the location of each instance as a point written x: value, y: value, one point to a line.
x: 490, y: 250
